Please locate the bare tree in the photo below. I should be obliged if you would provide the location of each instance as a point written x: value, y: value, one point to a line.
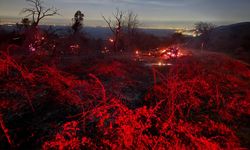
x: 203, y: 28
x: 38, y: 11
x: 78, y: 21
x: 131, y: 25
x: 131, y: 22
x: 115, y: 27
x: 123, y: 26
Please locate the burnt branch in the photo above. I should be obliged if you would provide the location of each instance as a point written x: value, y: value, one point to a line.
x: 109, y: 22
x: 38, y: 11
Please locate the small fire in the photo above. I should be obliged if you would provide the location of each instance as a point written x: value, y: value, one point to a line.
x: 163, y: 51
x: 76, y: 46
x: 106, y: 50
x: 32, y: 48
x: 173, y: 55
x: 160, y: 63
x: 111, y: 40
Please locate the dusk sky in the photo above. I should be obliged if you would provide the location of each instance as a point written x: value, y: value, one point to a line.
x: 155, y: 11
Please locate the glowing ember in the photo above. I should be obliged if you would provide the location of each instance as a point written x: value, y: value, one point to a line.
x: 173, y: 55
x: 111, y: 40
x: 106, y: 50
x: 161, y: 64
x: 32, y: 48
x: 76, y: 46
x: 172, y: 52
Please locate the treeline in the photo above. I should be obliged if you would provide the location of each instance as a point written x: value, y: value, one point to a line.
x: 123, y: 25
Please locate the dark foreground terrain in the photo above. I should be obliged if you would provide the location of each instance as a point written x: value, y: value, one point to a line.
x: 200, y: 102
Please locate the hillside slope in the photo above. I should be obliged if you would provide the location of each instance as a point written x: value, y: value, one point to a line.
x: 231, y: 39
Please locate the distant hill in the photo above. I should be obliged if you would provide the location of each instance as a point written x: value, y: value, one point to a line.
x: 231, y: 39
x: 96, y: 32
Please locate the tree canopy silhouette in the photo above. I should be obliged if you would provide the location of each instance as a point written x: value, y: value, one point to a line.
x: 26, y: 22
x: 78, y: 21
x: 203, y: 28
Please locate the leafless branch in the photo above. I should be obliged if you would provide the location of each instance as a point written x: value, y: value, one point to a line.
x: 38, y: 11
x: 109, y: 22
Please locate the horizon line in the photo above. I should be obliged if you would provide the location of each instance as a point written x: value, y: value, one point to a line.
x: 144, y: 24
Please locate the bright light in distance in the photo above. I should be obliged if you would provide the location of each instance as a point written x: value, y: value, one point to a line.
x: 137, y: 52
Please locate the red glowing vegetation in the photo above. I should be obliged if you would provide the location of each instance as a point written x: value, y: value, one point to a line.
x: 196, y: 104
x: 5, y: 130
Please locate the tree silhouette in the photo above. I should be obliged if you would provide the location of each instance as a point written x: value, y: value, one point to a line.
x: 203, y: 28
x: 131, y: 25
x: 26, y: 22
x: 123, y: 26
x: 78, y: 21
x: 131, y: 22
x: 116, y: 27
x: 38, y: 11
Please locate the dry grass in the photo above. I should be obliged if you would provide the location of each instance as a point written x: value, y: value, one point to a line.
x: 198, y: 103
